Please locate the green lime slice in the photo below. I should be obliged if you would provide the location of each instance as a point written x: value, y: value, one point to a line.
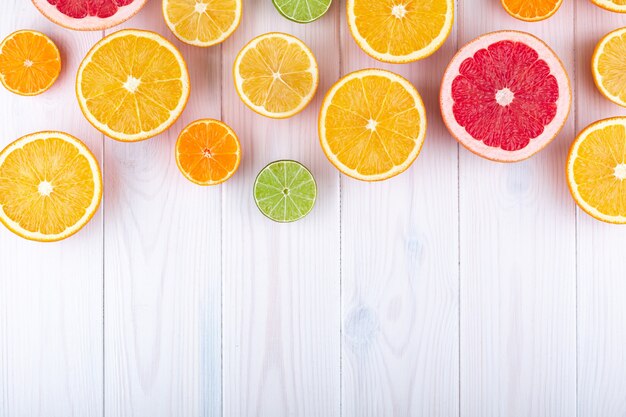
x: 285, y: 191
x: 302, y: 11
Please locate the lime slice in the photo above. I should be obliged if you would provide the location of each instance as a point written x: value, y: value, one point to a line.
x: 285, y: 191
x: 302, y: 11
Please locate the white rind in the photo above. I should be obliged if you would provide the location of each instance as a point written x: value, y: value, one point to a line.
x: 609, y: 5
x: 550, y: 130
x: 89, y: 22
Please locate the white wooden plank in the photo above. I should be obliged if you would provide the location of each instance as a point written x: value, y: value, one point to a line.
x: 163, y: 263
x: 518, y: 355
x: 400, y: 268
x: 601, y: 261
x: 50, y: 293
x: 281, y: 282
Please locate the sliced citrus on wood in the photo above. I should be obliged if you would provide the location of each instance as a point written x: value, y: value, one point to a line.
x: 202, y: 22
x: 399, y: 31
x: 29, y: 62
x: 596, y: 170
x: 531, y: 10
x: 372, y: 124
x: 276, y: 75
x: 132, y: 85
x: 505, y: 96
x: 88, y: 14
x: 50, y: 186
x: 618, y: 6
x: 208, y: 152
x: 608, y: 66
x: 302, y: 11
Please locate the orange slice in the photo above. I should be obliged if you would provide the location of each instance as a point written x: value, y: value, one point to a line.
x: 531, y: 10
x: 50, y: 186
x: 372, y: 124
x: 29, y: 62
x: 132, y: 85
x: 400, y: 31
x: 202, y: 22
x: 208, y: 152
x: 276, y: 75
x: 608, y: 66
x: 596, y: 170
x: 618, y: 6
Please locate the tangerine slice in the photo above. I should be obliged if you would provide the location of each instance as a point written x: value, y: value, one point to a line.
x: 531, y: 10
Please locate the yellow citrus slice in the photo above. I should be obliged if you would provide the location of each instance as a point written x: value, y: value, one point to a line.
x: 611, y: 5
x: 608, y: 66
x: 399, y: 31
x: 372, y: 124
x: 276, y: 75
x: 29, y: 62
x: 50, y: 186
x: 208, y: 152
x: 202, y: 22
x: 531, y: 10
x: 596, y: 170
x: 132, y: 85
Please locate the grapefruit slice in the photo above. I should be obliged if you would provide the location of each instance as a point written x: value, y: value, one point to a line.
x: 88, y: 14
x: 505, y: 96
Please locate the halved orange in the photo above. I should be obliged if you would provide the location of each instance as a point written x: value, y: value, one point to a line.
x: 399, y: 31
x: 608, y: 66
x: 276, y: 75
x: 596, y: 170
x: 531, y: 10
x: 372, y: 124
x: 29, y: 62
x: 50, y: 186
x: 208, y: 152
x: 202, y: 22
x: 132, y: 85
x: 618, y: 6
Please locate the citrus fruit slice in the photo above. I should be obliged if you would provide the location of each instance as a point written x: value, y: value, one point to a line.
x: 302, y: 11
x: 50, y: 186
x: 202, y: 22
x: 29, y: 62
x: 608, y: 66
x: 400, y: 31
x: 285, y: 191
x: 505, y: 96
x: 611, y: 5
x: 531, y: 10
x: 208, y: 152
x: 132, y: 85
x: 276, y: 75
x: 88, y: 14
x: 372, y: 124
x: 596, y: 170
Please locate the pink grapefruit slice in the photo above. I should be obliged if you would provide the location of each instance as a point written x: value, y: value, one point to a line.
x: 88, y: 14
x: 505, y: 96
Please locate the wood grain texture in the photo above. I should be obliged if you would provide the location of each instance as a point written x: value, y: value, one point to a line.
x: 601, y: 248
x: 518, y: 257
x: 163, y: 263
x: 50, y: 294
x: 281, y: 281
x: 400, y: 269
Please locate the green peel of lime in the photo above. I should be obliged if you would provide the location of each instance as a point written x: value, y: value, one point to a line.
x: 285, y: 191
x: 302, y: 11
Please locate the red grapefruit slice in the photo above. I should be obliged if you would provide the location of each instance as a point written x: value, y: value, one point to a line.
x: 88, y: 14
x: 505, y: 96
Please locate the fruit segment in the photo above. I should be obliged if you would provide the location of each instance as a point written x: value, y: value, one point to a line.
x: 302, y: 11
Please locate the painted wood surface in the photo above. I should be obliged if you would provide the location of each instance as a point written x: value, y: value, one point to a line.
x: 462, y: 287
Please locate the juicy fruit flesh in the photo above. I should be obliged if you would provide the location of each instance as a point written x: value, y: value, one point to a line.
x: 531, y: 9
x: 201, y: 20
x: 599, y: 170
x: 132, y: 84
x: 208, y: 152
x: 505, y: 95
x: 46, y: 186
x: 303, y: 10
x: 29, y: 63
x: 372, y: 124
x: 277, y: 74
x: 399, y: 27
x: 285, y: 191
x: 79, y: 9
x: 611, y: 66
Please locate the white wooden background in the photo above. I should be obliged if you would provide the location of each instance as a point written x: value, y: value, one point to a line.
x: 462, y: 287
